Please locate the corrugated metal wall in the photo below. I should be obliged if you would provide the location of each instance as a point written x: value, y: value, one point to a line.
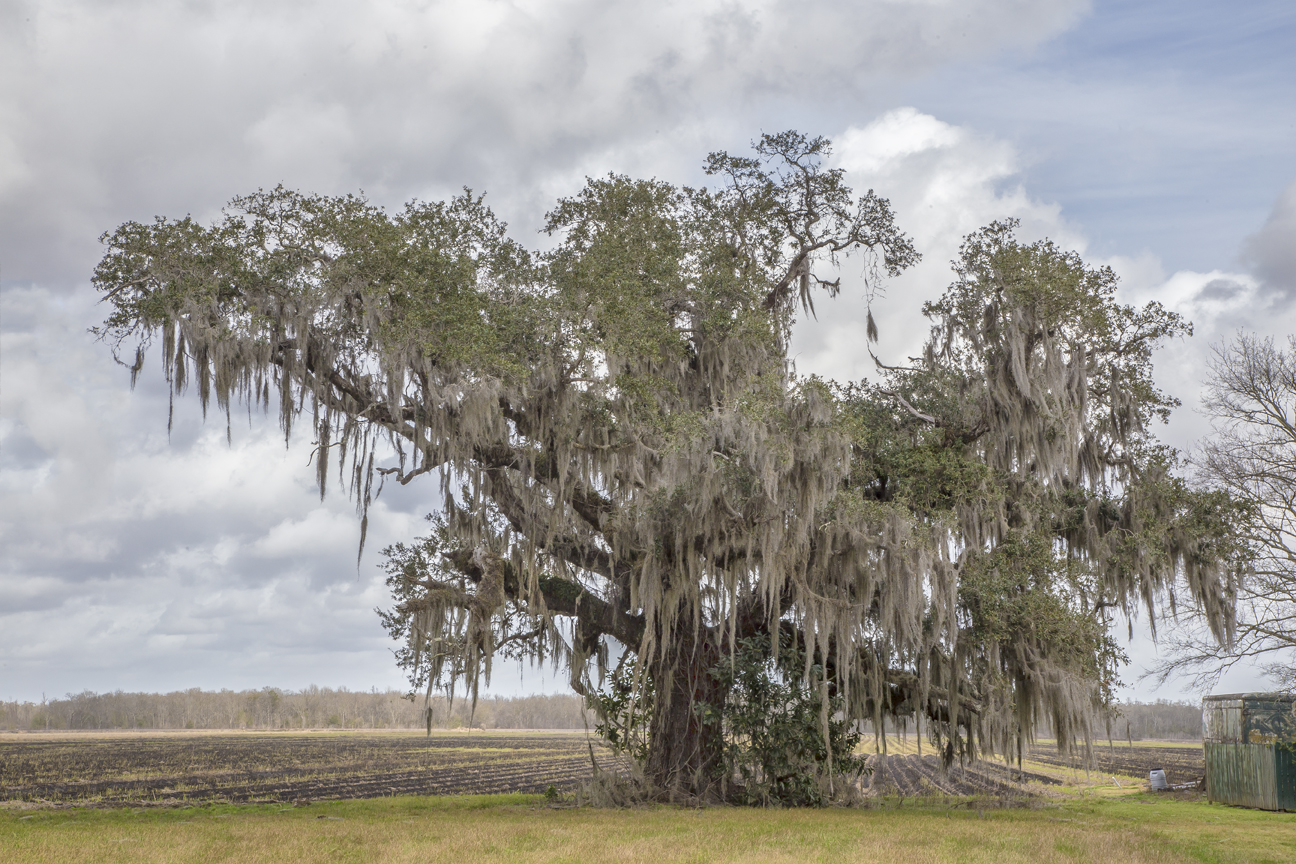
x: 1250, y: 748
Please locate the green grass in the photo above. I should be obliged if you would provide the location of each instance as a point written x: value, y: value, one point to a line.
x: 519, y: 828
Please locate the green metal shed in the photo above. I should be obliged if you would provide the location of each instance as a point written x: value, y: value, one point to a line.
x: 1250, y: 743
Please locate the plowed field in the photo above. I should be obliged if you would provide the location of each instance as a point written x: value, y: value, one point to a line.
x: 121, y: 770
x: 921, y: 775
x: 1182, y: 764
x: 906, y: 772
x: 282, y: 767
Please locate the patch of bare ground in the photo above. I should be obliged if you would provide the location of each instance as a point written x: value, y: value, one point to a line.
x: 138, y: 770
x: 914, y: 776
x: 1182, y: 764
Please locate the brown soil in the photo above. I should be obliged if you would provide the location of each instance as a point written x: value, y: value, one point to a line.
x: 923, y: 775
x: 1184, y: 764
x: 278, y: 767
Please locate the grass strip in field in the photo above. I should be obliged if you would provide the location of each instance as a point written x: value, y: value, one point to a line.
x: 517, y: 828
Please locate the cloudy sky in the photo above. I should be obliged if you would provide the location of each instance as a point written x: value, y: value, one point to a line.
x: 1157, y: 136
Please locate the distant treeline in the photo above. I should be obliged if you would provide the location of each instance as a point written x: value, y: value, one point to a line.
x: 1160, y: 719
x: 270, y: 708
x: 1142, y: 721
x: 1136, y: 721
x: 323, y: 707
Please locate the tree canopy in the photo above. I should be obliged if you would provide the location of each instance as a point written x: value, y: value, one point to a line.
x: 622, y: 445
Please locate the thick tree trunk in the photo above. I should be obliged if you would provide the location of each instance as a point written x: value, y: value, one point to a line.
x: 685, y: 747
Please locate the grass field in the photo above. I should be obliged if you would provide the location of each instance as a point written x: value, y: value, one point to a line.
x: 1130, y: 830
x: 364, y: 797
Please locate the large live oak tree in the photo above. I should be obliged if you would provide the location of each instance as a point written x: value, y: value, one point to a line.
x: 622, y: 444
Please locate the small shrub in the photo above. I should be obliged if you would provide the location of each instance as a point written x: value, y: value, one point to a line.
x: 623, y: 717
x: 773, y: 719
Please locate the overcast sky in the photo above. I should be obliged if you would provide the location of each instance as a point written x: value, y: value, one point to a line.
x: 1158, y: 137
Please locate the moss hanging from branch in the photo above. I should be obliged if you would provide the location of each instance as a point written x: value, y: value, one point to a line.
x: 622, y: 446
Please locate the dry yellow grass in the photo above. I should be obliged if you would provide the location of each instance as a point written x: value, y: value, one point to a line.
x: 519, y: 829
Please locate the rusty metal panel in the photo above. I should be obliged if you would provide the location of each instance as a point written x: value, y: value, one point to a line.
x: 1222, y: 719
x: 1285, y: 770
x: 1241, y: 774
x: 1269, y: 720
x: 1250, y: 750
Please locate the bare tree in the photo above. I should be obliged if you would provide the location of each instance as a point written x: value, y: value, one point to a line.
x: 1251, y: 457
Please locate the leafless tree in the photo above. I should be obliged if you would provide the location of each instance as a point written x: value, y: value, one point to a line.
x: 1251, y: 456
